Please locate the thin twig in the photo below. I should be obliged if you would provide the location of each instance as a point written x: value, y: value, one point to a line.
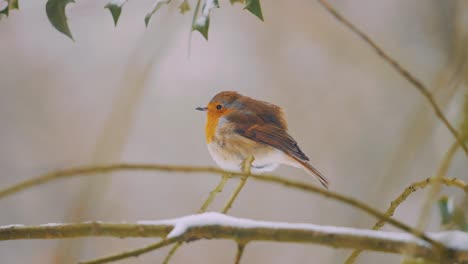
x: 219, y: 226
x: 100, y: 170
x: 219, y: 188
x: 454, y: 182
x: 93, y: 170
x: 132, y: 253
x: 194, y: 18
x: 404, y: 72
x: 240, y: 252
x: 431, y: 196
x: 435, y: 189
x: 247, y: 163
x: 172, y: 252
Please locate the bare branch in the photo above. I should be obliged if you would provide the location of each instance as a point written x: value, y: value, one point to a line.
x: 454, y: 182
x: 433, y: 192
x: 219, y: 226
x: 99, y: 170
x: 240, y: 252
x: 132, y: 253
x: 404, y: 72
x: 246, y: 165
x: 172, y: 252
x: 219, y: 188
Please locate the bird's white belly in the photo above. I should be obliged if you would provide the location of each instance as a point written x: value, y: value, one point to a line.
x: 229, y: 154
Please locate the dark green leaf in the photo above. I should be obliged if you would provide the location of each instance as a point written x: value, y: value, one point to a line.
x: 184, y: 7
x: 202, y: 23
x: 445, y: 209
x: 254, y: 7
x: 155, y: 8
x: 5, y: 9
x: 202, y: 27
x: 115, y: 7
x: 55, y: 10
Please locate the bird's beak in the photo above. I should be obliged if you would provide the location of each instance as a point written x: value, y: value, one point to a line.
x: 201, y: 108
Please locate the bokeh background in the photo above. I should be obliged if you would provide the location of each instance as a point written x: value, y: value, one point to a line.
x: 128, y: 93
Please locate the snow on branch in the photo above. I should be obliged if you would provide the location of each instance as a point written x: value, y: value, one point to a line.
x: 213, y: 225
x: 100, y: 169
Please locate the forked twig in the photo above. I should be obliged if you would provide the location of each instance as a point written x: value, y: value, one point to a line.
x: 404, y: 72
x: 219, y: 188
x: 246, y: 165
x: 454, y: 182
x: 246, y: 169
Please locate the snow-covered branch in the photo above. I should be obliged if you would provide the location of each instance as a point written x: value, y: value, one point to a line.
x: 96, y: 170
x: 213, y: 225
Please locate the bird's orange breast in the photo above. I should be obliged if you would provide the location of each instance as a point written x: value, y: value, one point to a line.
x: 212, y: 120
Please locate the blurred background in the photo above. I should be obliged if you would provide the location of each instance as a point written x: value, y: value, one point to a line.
x: 128, y: 94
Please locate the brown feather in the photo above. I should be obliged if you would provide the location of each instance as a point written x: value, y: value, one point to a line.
x: 266, y: 112
x: 250, y: 126
x: 313, y: 171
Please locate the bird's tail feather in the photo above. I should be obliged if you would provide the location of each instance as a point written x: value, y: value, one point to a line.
x: 313, y: 171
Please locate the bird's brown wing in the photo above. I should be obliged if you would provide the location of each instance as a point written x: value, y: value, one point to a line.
x: 268, y: 113
x: 253, y: 127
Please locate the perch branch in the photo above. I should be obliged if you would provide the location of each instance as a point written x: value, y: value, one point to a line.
x: 219, y: 226
x: 454, y: 182
x: 100, y: 170
x: 404, y: 72
x: 246, y: 165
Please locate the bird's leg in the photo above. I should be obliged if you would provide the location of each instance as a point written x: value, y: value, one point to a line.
x: 246, y: 165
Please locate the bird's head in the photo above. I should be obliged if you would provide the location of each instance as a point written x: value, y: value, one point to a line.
x: 222, y: 103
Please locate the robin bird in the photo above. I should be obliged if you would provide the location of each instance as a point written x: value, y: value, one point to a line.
x: 239, y: 127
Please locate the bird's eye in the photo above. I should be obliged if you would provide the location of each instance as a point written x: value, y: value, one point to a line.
x: 219, y: 107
